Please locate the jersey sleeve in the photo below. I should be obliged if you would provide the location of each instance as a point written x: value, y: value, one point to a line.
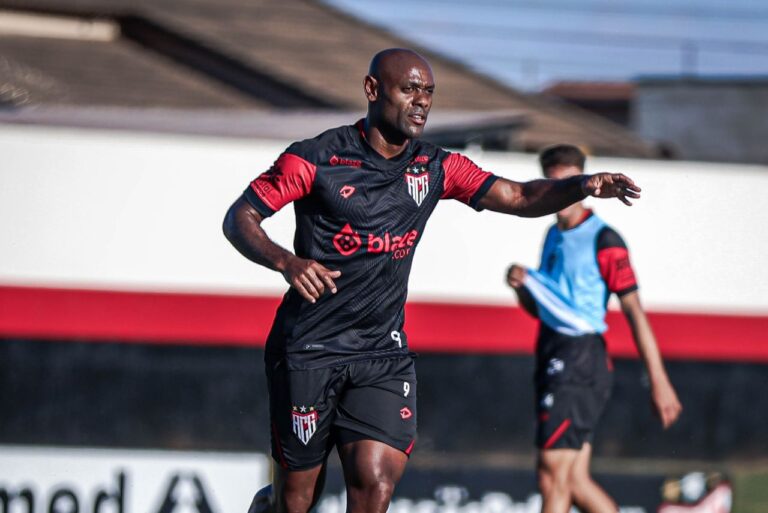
x: 465, y: 181
x: 290, y: 178
x: 614, y: 264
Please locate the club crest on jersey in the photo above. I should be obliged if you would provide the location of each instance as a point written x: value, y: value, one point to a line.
x: 417, y: 178
x: 304, y: 422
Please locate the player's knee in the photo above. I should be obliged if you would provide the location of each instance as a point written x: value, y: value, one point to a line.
x: 380, y: 489
x: 553, y: 479
x: 295, y: 500
x: 579, y: 480
x: 545, y: 481
x: 371, y: 495
x: 295, y: 503
x: 385, y: 489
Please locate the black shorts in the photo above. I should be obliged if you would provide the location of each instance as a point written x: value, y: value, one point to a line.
x: 313, y: 410
x: 573, y: 379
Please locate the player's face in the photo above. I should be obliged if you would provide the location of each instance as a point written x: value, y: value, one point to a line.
x: 558, y: 173
x: 406, y: 100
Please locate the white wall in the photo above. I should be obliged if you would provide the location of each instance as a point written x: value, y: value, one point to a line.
x: 132, y: 211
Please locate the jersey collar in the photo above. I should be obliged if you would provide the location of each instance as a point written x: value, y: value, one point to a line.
x: 374, y: 156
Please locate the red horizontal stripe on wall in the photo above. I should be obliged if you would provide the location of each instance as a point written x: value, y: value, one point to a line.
x: 173, y: 318
x: 135, y: 316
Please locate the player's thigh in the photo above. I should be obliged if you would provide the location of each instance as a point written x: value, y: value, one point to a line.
x: 302, y: 406
x: 370, y: 464
x: 580, y: 469
x: 557, y: 461
x: 379, y: 403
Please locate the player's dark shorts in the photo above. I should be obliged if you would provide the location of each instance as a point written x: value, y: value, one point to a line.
x: 573, y: 380
x: 313, y: 410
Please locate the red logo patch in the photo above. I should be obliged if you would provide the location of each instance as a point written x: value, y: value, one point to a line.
x: 340, y: 161
x: 420, y: 159
x: 405, y: 413
x: 347, y: 191
x: 347, y: 241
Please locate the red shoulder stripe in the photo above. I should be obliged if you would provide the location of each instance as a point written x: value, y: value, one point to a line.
x: 463, y: 178
x: 289, y: 179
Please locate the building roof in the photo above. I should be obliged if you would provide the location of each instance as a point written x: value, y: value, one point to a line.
x: 108, y: 73
x: 592, y: 91
x: 260, y: 55
x: 760, y: 81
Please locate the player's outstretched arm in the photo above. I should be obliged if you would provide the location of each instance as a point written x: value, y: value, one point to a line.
x: 663, y: 395
x: 542, y: 197
x: 242, y: 227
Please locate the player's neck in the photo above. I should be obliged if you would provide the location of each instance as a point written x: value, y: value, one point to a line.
x: 573, y: 218
x: 384, y: 145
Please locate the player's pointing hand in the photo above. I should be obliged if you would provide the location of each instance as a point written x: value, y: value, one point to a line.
x: 610, y: 185
x: 310, y: 278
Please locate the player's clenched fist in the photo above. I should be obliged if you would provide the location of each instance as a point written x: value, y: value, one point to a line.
x: 310, y: 278
x: 610, y: 185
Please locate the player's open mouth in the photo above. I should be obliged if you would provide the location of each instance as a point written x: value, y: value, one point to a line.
x: 418, y: 119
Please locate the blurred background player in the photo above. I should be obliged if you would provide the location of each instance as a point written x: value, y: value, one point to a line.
x: 583, y: 262
x: 338, y: 367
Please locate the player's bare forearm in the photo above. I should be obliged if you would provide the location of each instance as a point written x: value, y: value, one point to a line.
x: 526, y: 301
x: 542, y: 197
x: 532, y: 199
x: 663, y: 393
x: 242, y: 228
x: 643, y: 335
x: 515, y: 279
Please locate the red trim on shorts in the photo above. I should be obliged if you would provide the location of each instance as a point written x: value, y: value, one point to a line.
x: 283, y: 463
x: 410, y: 447
x: 552, y: 440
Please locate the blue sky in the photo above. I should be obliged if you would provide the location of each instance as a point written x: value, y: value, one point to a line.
x: 532, y: 43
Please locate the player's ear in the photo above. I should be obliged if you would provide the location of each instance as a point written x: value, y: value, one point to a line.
x: 371, y: 86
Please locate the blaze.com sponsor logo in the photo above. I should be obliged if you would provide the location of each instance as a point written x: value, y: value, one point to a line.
x: 348, y: 241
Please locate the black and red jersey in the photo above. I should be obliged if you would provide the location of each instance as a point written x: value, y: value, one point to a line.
x: 364, y: 215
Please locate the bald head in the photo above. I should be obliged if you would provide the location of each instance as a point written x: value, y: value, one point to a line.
x: 395, y: 61
x: 399, y: 88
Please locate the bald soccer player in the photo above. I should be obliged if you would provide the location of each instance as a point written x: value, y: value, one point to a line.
x: 337, y: 361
